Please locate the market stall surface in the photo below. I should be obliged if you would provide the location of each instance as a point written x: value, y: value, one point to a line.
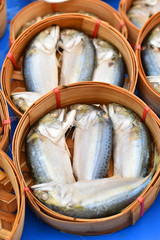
x: 147, y: 227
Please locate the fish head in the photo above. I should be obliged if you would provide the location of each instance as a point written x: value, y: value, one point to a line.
x: 105, y: 50
x: 119, y: 115
x: 54, y: 118
x: 20, y: 102
x: 69, y: 39
x: 46, y: 40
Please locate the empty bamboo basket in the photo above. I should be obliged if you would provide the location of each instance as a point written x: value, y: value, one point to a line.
x: 88, y: 93
x: 3, y: 17
x: 99, y: 8
x: 4, y: 123
x: 75, y: 21
x: 146, y: 90
x: 12, y: 200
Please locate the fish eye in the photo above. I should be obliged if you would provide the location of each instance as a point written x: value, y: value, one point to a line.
x: 43, y: 195
x: 21, y: 102
x: 54, y: 114
x: 117, y: 108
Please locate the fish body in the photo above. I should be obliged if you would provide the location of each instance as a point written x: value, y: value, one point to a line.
x: 92, y: 142
x: 78, y: 57
x: 132, y: 145
x: 155, y: 82
x: 47, y: 154
x: 150, y: 53
x: 110, y: 64
x: 40, y: 66
x: 91, y: 199
x: 23, y: 100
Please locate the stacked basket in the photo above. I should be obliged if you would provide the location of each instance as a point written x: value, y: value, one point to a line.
x: 3, y: 17
x: 102, y: 10
x: 148, y: 93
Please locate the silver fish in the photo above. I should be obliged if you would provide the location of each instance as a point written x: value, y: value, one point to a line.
x: 138, y: 15
x: 47, y: 154
x: 150, y: 53
x: 110, y: 64
x: 40, y: 66
x: 132, y: 145
x: 23, y: 100
x: 155, y: 82
x: 92, y: 142
x: 91, y: 199
x: 78, y: 57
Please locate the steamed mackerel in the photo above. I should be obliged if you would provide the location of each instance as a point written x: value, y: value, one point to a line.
x: 92, y: 142
x: 47, y: 154
x: 78, y: 57
x: 23, y: 100
x: 150, y: 53
x: 132, y: 143
x: 110, y: 64
x: 91, y: 199
x: 40, y: 66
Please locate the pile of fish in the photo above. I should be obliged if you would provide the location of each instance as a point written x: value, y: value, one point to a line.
x: 81, y: 59
x: 150, y: 56
x: 79, y: 186
x: 141, y: 10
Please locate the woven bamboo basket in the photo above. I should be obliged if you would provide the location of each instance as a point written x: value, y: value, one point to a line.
x: 75, y: 21
x: 89, y: 93
x: 5, y: 129
x: 3, y: 17
x: 12, y: 200
x: 147, y: 92
x: 99, y: 8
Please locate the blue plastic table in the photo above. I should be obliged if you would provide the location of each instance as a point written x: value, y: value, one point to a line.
x: 147, y: 227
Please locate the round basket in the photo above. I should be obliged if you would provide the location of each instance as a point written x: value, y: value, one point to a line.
x: 88, y: 93
x: 99, y: 8
x: 4, y: 123
x: 12, y: 200
x: 75, y: 21
x: 146, y: 90
x: 3, y: 17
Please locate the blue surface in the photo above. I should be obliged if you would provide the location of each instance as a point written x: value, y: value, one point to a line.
x: 146, y: 228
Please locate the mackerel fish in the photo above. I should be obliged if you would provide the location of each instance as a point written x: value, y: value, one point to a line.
x: 91, y: 199
x: 40, y: 65
x: 23, y: 100
x: 47, y: 154
x: 92, y: 142
x: 132, y: 145
x: 110, y: 64
x: 150, y: 53
x: 78, y: 57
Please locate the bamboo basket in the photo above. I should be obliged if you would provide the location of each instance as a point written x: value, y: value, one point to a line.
x: 12, y: 205
x: 102, y: 10
x: 88, y: 93
x: 133, y: 31
x: 6, y: 130
x: 75, y: 21
x: 147, y: 92
x: 3, y: 17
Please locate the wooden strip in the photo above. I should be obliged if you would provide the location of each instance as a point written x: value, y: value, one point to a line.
x: 17, y: 75
x: 4, y: 234
x: 6, y: 185
x: 7, y: 220
x: 8, y: 201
